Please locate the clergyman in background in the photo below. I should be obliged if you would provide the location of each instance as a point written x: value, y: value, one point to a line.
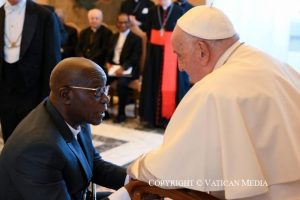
x: 93, y: 40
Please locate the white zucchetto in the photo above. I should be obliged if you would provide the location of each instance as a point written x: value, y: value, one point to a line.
x: 207, y: 23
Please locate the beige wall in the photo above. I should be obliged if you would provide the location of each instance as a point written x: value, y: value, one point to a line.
x: 42, y: 1
x: 197, y: 2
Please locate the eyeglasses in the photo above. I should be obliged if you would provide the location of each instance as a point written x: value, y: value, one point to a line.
x: 99, y: 92
x: 122, y: 22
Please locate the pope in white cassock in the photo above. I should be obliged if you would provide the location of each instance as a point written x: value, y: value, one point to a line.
x: 237, y: 131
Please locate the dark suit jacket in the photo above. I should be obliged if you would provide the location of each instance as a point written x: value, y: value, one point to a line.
x: 62, y: 31
x: 42, y: 160
x: 70, y: 44
x: 40, y: 52
x: 185, y: 5
x: 95, y: 50
x: 131, y: 52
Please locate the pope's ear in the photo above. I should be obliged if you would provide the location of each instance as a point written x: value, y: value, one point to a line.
x: 65, y: 94
x: 204, y: 52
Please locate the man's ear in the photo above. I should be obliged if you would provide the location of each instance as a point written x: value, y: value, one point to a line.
x: 65, y: 95
x: 204, y: 52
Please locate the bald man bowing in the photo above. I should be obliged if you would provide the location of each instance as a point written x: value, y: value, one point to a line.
x: 50, y: 154
x: 236, y: 132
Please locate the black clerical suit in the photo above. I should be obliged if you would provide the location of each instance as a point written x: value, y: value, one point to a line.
x: 151, y: 94
x: 43, y: 160
x: 25, y: 83
x: 130, y: 57
x: 93, y: 45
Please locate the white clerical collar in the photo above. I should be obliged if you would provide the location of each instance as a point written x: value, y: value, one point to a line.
x: 74, y: 131
x: 165, y: 7
x: 95, y: 29
x: 225, y: 56
x: 125, y: 33
x: 11, y: 8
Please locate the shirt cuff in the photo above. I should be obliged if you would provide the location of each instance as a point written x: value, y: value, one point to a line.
x: 126, y: 180
x: 120, y: 194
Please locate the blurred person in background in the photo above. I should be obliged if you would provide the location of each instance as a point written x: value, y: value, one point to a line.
x: 93, y: 40
x: 138, y: 11
x: 160, y: 86
x: 30, y: 48
x: 124, y: 50
x: 69, y: 46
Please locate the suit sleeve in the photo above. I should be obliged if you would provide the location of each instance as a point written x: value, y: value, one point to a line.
x: 108, y: 174
x: 37, y: 174
x: 52, y: 51
x: 105, y: 173
x: 135, y: 53
x: 110, y: 52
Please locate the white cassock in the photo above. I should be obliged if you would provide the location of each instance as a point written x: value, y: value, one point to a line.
x: 239, y: 124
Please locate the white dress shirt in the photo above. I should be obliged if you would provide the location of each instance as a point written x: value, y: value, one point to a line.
x: 119, y: 46
x: 14, y: 22
x: 74, y: 131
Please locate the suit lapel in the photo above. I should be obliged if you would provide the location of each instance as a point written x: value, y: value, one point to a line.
x: 77, y: 150
x: 115, y: 38
x: 2, y: 18
x: 84, y: 145
x: 69, y: 138
x: 98, y: 34
x: 113, y: 44
x: 30, y: 22
x: 126, y: 45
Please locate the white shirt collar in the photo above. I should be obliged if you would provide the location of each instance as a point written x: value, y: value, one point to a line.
x: 227, y: 54
x: 74, y: 131
x: 11, y: 8
x: 125, y: 33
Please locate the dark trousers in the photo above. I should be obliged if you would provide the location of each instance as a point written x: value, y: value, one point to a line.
x: 9, y: 121
x: 122, y: 91
x: 103, y: 195
x: 15, y: 100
